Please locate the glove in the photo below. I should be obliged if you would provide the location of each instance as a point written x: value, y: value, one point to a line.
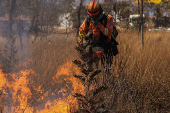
x: 96, y: 22
x: 80, y: 38
x: 89, y: 35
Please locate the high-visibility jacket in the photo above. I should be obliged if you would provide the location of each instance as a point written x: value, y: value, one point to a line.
x: 106, y: 29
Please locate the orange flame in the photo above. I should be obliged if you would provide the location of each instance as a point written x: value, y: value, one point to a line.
x: 63, y: 105
x: 18, y: 88
x: 58, y: 106
x: 17, y: 85
x: 2, y: 80
x: 69, y: 69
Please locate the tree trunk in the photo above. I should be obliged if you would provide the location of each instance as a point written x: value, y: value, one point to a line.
x: 11, y: 38
x: 139, y: 27
x: 142, y: 23
x: 34, y: 21
x: 79, y: 10
x: 42, y: 18
x: 10, y: 17
x: 20, y: 28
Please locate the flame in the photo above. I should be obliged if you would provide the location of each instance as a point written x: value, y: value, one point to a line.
x: 69, y: 69
x: 2, y: 80
x: 58, y: 106
x: 17, y: 88
x: 63, y: 105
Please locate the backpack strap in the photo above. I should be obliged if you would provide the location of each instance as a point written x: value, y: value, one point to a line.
x: 105, y: 19
x: 88, y: 21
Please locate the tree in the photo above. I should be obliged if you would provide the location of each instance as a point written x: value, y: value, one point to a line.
x: 158, y: 14
x: 120, y: 8
x: 78, y: 15
x: 123, y: 9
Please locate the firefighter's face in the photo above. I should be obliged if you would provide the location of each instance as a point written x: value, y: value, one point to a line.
x: 95, y: 17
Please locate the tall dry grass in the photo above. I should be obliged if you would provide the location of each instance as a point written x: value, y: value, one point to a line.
x: 48, y: 54
x: 142, y: 74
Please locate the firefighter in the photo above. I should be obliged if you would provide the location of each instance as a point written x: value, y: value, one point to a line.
x: 101, y: 31
x: 99, y: 24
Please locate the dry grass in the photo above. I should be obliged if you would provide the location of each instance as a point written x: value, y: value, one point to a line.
x: 145, y: 72
x: 48, y: 54
x: 140, y: 81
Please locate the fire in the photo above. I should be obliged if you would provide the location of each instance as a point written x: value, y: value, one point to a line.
x: 64, y: 105
x: 18, y: 90
x: 58, y: 106
x: 2, y: 80
x: 69, y: 69
x: 17, y: 87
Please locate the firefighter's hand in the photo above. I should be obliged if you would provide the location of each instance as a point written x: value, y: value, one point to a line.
x: 95, y: 22
x: 80, y: 39
x: 88, y: 36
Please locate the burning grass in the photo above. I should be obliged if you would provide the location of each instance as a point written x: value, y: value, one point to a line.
x: 21, y: 95
x: 139, y: 82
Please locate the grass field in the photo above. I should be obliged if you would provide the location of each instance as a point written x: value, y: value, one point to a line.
x: 147, y: 70
x: 140, y: 79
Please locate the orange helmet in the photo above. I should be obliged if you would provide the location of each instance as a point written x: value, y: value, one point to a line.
x: 94, y: 8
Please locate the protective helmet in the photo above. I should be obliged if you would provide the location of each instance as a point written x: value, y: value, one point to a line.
x: 94, y: 8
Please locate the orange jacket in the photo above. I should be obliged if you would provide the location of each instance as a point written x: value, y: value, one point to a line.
x: 107, y: 31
